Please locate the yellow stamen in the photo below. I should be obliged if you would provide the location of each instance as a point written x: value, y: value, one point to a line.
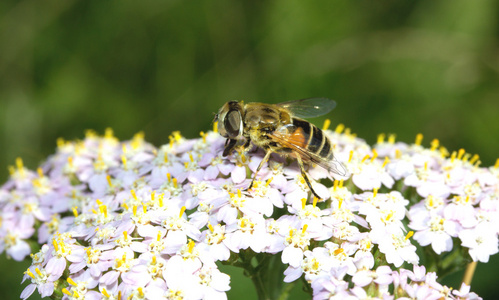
x: 239, y: 193
x: 123, y: 160
x: 182, y: 210
x: 125, y: 236
x: 158, y: 237
x: 144, y: 207
x: 335, y: 185
x: 30, y: 274
x: 351, y: 156
x: 443, y: 151
x: 365, y: 158
x: 125, y: 206
x: 135, y: 210
x: 38, y: 272
x: 186, y: 165
x: 191, y: 157
x: 191, y: 246
x: 169, y: 177
x: 453, y: 156
x: 269, y: 181
x: 387, y: 160
x: 314, y: 204
x: 496, y: 164
x: 341, y: 183
x: 175, y: 183
x: 327, y: 122
x: 419, y: 139
x: 160, y: 200
x: 466, y: 157
x: 398, y: 153
x: 391, y: 138
x: 165, y: 157
x: 108, y: 133
x: 108, y: 178
x: 153, y: 260
x: 460, y: 153
x: 141, y: 292
x: 203, y: 135
x: 381, y: 138
x: 105, y: 293
x: 215, y: 127
x: 95, y: 212
x: 303, y: 203
x: 153, y: 195
x: 434, y: 144
x: 375, y: 155
x: 56, y: 246
x: 98, y: 202
x: 75, y: 211
x: 409, y: 235
x: 340, y: 203
x: 133, y: 194
x: 123, y: 149
x: 71, y: 281
x: 65, y: 291
x: 339, y: 128
x: 19, y: 163
x: 338, y: 251
x: 211, y: 227
x: 60, y: 142
x: 40, y: 172
x: 304, y: 228
x: 70, y: 161
x: 12, y: 170
x: 375, y: 192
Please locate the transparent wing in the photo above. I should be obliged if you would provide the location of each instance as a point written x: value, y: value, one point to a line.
x: 295, y: 144
x: 309, y: 108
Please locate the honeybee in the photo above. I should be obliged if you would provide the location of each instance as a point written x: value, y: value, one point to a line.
x: 280, y: 128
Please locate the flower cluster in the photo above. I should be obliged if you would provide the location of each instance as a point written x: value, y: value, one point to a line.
x: 128, y: 220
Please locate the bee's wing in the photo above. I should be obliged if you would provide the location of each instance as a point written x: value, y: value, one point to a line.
x: 295, y: 142
x: 309, y: 108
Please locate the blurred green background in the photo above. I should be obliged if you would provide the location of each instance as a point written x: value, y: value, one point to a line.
x: 398, y: 66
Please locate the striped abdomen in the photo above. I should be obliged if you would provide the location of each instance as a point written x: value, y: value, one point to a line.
x: 314, y: 140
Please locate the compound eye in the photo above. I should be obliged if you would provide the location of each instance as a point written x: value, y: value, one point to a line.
x: 233, y: 123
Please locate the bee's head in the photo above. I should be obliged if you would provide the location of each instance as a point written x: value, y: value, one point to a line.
x: 230, y: 119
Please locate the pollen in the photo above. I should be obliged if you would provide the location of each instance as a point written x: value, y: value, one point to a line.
x: 375, y: 155
x: 419, y: 139
x: 460, y: 153
x: 409, y: 235
x: 108, y: 178
x: 387, y: 160
x: 133, y: 194
x: 215, y: 127
x: 365, y: 158
x: 75, y: 211
x: 391, y: 138
x: 327, y: 122
x: 350, y: 156
x: 303, y: 203
x: 339, y: 129
x: 71, y: 281
x: 304, y: 228
x: 182, y: 210
x: 381, y: 138
x: 434, y: 144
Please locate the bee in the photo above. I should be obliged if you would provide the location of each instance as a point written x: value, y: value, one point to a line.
x: 280, y: 128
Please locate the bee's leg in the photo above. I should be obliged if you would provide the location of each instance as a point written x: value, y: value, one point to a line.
x: 265, y: 158
x: 304, y: 175
x: 247, y: 146
x: 229, y: 146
